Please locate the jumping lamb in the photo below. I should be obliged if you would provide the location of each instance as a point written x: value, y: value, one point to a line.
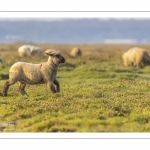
x: 75, y: 52
x: 29, y: 50
x: 28, y: 73
x: 136, y: 57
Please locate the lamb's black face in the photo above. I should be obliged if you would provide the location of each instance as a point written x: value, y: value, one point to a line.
x: 63, y: 60
x: 58, y: 59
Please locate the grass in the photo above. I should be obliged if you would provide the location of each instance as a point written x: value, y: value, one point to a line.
x: 98, y: 94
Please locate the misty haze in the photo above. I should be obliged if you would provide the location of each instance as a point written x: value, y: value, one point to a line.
x: 75, y: 30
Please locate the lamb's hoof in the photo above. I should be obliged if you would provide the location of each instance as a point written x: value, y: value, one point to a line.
x: 26, y: 95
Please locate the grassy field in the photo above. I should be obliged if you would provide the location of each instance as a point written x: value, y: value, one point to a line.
x: 98, y: 94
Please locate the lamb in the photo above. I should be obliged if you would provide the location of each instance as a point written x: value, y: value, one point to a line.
x: 136, y: 57
x: 75, y: 52
x: 29, y: 50
x: 28, y: 73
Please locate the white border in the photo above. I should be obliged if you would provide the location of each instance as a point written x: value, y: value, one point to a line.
x: 76, y: 135
x: 74, y: 141
x: 77, y: 5
x: 103, y: 15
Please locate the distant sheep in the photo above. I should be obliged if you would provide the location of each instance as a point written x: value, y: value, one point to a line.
x: 136, y: 57
x: 29, y: 50
x: 1, y: 60
x: 28, y: 73
x: 76, y: 52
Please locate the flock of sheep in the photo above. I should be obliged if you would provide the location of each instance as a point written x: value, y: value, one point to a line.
x: 28, y: 73
x: 29, y: 50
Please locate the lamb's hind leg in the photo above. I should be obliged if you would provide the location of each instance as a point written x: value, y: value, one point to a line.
x: 6, y: 86
x: 22, y: 88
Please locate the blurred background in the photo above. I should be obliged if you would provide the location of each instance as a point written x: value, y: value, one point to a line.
x: 75, y: 30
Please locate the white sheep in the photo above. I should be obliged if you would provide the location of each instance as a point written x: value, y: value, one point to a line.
x: 29, y: 50
x: 136, y: 57
x: 76, y: 52
x: 28, y: 73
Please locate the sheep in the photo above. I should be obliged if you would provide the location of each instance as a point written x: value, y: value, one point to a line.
x: 127, y: 62
x: 1, y: 60
x: 136, y: 57
x: 75, y: 52
x: 28, y: 73
x: 29, y: 50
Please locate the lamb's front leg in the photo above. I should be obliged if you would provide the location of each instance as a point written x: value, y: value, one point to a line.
x: 57, y: 85
x: 50, y: 86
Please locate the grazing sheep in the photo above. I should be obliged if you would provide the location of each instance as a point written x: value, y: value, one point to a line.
x: 1, y: 60
x: 28, y: 73
x: 28, y: 50
x: 136, y: 57
x: 75, y: 52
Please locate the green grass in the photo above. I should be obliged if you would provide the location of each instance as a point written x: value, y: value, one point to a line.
x: 98, y: 94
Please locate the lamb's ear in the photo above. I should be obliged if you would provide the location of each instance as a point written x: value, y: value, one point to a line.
x: 50, y: 53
